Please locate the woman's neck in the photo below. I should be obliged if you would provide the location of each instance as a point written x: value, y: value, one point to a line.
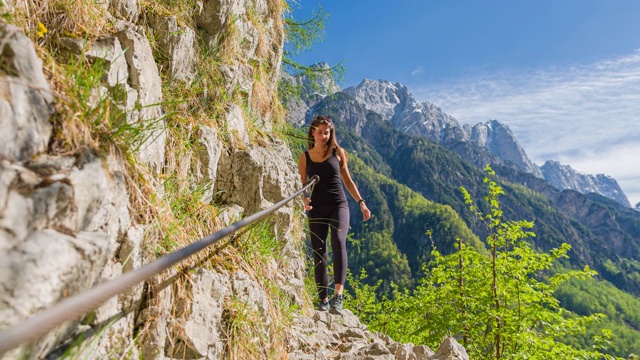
x: 320, y: 148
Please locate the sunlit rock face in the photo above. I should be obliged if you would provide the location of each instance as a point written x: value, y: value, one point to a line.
x: 491, y: 142
x: 564, y: 177
x: 69, y: 222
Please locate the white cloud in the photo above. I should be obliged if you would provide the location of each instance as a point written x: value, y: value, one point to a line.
x: 586, y: 116
x: 417, y: 71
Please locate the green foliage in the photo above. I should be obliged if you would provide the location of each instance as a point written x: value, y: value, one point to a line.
x: 364, y: 300
x: 97, y: 117
x: 300, y: 37
x: 262, y: 244
x: 296, y: 139
x: 586, y: 297
x: 494, y: 302
x: 379, y: 255
x: 392, y: 246
x: 602, y: 234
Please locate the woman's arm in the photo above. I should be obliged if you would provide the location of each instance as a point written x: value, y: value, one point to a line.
x: 302, y: 170
x: 351, y: 186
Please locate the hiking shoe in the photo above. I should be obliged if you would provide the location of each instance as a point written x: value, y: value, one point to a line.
x: 324, y: 306
x: 336, y: 304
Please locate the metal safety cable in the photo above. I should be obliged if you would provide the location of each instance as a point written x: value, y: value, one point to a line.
x: 73, y: 307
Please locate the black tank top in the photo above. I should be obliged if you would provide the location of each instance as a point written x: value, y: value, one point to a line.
x: 329, y: 190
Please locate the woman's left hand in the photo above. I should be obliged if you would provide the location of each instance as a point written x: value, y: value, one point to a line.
x: 366, y: 214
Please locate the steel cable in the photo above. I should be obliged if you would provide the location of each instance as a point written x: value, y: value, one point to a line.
x: 73, y: 307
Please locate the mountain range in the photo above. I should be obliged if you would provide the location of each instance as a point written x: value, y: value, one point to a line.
x: 418, y: 145
x: 410, y: 160
x: 490, y: 143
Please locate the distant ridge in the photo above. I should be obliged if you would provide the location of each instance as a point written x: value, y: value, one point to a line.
x: 564, y: 177
x: 491, y: 142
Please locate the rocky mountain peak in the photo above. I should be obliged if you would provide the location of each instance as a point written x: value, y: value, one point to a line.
x: 491, y: 142
x: 311, y: 91
x: 395, y: 104
x: 381, y: 96
x: 564, y: 177
x: 500, y: 140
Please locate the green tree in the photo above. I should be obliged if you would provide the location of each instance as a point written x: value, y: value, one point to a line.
x: 494, y: 303
x: 383, y: 260
x: 301, y: 35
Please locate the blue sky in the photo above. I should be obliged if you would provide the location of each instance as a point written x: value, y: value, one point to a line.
x: 564, y: 75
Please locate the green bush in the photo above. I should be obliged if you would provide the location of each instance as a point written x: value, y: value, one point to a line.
x: 493, y: 303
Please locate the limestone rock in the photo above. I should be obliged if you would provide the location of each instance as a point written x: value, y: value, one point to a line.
x: 132, y: 80
x: 126, y: 9
x: 101, y: 199
x: 328, y: 336
x: 177, y: 44
x: 115, y: 64
x: 215, y: 16
x: 450, y: 350
x: 208, y: 150
x: 257, y: 177
x: 48, y: 267
x: 253, y: 36
x: 60, y: 226
x: 157, y: 317
x: 237, y: 78
x: 202, y: 334
x: 26, y: 101
x: 238, y: 135
x: 145, y: 79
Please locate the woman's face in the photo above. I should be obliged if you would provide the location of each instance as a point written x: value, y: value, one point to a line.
x: 321, y: 134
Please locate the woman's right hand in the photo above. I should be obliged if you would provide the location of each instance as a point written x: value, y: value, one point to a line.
x: 307, y: 201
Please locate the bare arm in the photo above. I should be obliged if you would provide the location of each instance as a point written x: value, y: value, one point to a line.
x: 351, y: 186
x: 302, y: 170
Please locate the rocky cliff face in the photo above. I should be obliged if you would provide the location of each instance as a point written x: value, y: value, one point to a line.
x: 148, y: 134
x: 564, y: 177
x: 484, y: 143
x: 499, y: 140
x: 395, y: 104
x: 63, y: 219
x: 311, y: 92
x: 67, y: 217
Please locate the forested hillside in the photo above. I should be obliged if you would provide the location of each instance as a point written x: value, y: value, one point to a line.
x: 412, y: 185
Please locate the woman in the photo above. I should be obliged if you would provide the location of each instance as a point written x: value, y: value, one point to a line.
x: 327, y: 208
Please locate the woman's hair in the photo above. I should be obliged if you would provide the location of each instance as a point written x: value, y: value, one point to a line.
x: 332, y: 143
x: 318, y: 120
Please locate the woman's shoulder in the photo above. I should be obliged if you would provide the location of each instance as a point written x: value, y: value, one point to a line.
x: 302, y: 157
x: 341, y: 154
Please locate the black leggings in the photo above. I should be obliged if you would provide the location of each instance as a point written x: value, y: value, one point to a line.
x: 321, y: 219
